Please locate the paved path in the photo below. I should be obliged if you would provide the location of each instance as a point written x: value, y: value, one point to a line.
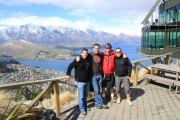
x: 150, y: 102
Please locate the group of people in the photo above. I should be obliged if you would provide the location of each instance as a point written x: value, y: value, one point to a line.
x: 108, y: 69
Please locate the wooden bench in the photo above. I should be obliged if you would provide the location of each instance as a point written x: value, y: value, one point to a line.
x: 159, y: 79
x: 177, y: 84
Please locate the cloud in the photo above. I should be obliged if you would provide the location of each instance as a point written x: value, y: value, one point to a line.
x: 126, y: 15
x: 81, y: 12
x: 102, y: 6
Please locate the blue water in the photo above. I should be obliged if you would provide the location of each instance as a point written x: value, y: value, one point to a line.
x: 61, y: 65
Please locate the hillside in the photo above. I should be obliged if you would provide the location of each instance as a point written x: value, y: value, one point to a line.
x: 26, y: 50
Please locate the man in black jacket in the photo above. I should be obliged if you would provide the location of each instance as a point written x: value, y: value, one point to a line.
x: 96, y: 80
x: 83, y: 73
x: 123, y: 68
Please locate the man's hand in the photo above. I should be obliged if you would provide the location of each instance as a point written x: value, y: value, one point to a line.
x: 124, y: 55
x: 68, y: 77
x: 77, y: 59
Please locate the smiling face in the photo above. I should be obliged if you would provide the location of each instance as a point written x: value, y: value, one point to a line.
x: 108, y: 48
x: 118, y: 52
x: 84, y: 54
x: 96, y: 49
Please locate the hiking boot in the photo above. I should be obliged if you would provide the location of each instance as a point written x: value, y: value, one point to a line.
x: 118, y: 100
x: 105, y: 106
x: 129, y: 102
x: 83, y: 112
x: 99, y: 106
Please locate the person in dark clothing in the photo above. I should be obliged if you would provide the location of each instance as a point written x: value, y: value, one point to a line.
x: 97, y: 76
x: 83, y: 73
x: 123, y: 68
x: 96, y: 80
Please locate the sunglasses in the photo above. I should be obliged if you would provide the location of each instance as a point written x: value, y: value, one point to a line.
x: 118, y: 52
x: 108, y: 48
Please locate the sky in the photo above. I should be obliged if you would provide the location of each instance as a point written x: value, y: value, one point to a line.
x: 113, y: 16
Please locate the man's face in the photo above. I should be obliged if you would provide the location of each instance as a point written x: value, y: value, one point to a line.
x: 84, y: 54
x: 118, y: 52
x: 96, y: 49
x: 108, y: 49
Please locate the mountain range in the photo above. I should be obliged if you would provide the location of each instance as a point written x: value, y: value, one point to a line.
x: 62, y: 36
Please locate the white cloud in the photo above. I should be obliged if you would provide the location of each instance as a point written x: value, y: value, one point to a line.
x: 127, y: 15
x: 104, y: 6
x: 80, y: 12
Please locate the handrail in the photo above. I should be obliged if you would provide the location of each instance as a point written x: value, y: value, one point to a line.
x: 150, y: 58
x: 29, y: 82
x: 52, y: 82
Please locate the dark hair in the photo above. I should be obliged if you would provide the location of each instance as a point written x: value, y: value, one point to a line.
x: 96, y: 44
x: 118, y: 48
x: 109, y: 45
x: 84, y: 49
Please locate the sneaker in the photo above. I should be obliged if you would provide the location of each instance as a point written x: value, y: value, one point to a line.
x: 88, y: 109
x: 83, y: 112
x: 113, y: 99
x: 105, y: 106
x: 129, y: 102
x: 118, y: 100
x: 99, y: 106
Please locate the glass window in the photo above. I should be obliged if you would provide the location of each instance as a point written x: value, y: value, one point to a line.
x: 147, y: 39
x: 174, y: 37
x: 178, y: 37
x: 170, y: 38
x: 162, y: 18
x: 178, y: 7
x: 171, y: 14
x: 160, y: 40
x: 152, y: 42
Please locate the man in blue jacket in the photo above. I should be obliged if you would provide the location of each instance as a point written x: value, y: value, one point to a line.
x: 83, y: 73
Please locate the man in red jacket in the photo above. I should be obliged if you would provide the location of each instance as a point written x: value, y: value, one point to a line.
x: 108, y: 67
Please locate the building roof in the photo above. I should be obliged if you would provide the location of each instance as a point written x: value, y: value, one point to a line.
x: 151, y: 11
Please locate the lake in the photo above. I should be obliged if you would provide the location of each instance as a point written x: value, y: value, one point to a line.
x: 61, y: 65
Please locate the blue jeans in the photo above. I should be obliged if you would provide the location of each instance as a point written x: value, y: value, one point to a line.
x: 97, y: 83
x: 83, y: 88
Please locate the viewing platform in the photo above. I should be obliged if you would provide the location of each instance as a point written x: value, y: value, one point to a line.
x: 150, y: 102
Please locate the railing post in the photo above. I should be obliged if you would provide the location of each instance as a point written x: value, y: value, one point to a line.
x: 178, y: 62
x: 57, y: 100
x: 136, y: 74
x: 157, y: 60
x: 168, y: 59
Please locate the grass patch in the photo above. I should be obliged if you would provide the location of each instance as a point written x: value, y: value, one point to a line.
x: 65, y: 97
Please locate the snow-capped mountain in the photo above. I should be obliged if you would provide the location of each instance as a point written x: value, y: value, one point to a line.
x: 59, y: 36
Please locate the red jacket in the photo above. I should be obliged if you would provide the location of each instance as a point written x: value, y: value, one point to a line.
x: 108, y: 65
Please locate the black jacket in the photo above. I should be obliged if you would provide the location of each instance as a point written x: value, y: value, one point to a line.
x: 83, y: 69
x: 123, y: 66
